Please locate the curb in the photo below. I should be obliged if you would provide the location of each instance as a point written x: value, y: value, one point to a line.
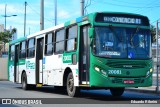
x: 4, y: 80
x: 155, y: 75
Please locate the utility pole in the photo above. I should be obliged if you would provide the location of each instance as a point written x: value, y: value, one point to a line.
x: 42, y: 15
x: 157, y: 54
x: 5, y: 26
x: 82, y: 7
x: 29, y: 30
x: 25, y: 19
x: 5, y: 15
x: 55, y: 12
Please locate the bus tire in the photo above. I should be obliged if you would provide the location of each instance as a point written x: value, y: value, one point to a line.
x: 117, y: 91
x: 25, y: 86
x: 72, y: 90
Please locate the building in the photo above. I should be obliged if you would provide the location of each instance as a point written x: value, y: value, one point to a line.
x: 1, y: 27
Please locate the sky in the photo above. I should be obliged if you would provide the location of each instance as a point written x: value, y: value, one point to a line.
x: 68, y: 10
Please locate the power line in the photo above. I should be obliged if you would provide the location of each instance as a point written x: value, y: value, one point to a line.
x: 49, y: 20
x: 86, y: 5
x: 150, y: 3
x: 129, y: 2
x: 119, y: 5
x: 155, y: 21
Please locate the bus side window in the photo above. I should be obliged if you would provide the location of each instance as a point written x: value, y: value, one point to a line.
x: 71, y: 38
x: 12, y: 53
x: 49, y: 44
x: 31, y: 48
x: 23, y: 50
x: 59, y: 45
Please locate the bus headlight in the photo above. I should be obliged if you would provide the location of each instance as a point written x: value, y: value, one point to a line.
x: 151, y: 70
x: 103, y: 72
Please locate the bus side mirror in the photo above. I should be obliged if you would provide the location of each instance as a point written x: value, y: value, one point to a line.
x: 91, y: 32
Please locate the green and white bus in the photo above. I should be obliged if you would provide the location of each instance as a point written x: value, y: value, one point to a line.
x: 102, y: 50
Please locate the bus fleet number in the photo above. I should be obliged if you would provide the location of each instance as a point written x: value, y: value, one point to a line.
x: 114, y: 71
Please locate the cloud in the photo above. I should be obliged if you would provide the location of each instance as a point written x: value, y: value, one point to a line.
x: 14, y: 9
x: 62, y: 14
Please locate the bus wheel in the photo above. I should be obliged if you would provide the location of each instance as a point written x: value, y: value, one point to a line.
x: 71, y: 89
x: 24, y: 82
x: 117, y: 91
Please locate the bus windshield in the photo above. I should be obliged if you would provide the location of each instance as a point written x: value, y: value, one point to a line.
x: 116, y: 42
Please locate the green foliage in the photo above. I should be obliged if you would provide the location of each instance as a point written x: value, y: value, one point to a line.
x: 153, y: 33
x: 6, y: 36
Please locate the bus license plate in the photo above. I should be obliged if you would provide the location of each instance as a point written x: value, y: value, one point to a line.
x: 128, y: 81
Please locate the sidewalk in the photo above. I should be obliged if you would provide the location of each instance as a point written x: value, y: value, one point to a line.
x: 155, y: 75
x: 151, y: 89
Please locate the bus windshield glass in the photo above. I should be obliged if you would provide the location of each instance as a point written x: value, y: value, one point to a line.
x: 116, y: 42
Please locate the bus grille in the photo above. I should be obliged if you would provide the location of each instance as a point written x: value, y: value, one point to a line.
x: 126, y: 64
x: 120, y: 80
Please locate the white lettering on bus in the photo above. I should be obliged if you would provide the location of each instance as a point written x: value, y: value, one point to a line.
x: 123, y: 20
x: 67, y: 58
x: 114, y: 71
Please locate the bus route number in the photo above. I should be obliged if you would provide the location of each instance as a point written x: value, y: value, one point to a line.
x: 114, y: 72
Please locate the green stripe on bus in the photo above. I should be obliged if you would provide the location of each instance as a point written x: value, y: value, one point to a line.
x: 22, y: 62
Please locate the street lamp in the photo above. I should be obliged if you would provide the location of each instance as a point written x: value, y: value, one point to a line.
x: 6, y: 15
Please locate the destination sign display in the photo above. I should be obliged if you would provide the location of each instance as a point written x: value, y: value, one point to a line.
x: 122, y: 19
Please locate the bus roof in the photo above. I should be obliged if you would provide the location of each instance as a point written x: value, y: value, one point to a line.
x: 17, y: 40
x: 91, y: 16
x: 46, y: 30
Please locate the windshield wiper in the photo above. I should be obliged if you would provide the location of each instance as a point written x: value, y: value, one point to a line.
x: 132, y: 36
x: 131, y: 40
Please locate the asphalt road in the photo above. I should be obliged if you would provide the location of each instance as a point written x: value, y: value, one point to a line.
x: 11, y: 90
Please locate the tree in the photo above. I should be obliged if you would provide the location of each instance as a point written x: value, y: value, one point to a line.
x: 5, y: 37
x: 153, y: 34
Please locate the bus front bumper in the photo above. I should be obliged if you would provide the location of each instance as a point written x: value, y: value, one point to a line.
x: 98, y: 80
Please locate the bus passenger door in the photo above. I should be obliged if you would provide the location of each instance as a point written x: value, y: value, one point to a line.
x: 16, y: 65
x: 84, y: 55
x: 39, y: 59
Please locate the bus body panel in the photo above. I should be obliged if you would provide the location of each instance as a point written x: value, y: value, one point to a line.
x: 11, y: 71
x: 54, y: 69
x: 22, y: 67
x: 48, y: 72
x: 70, y: 60
x: 30, y: 71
